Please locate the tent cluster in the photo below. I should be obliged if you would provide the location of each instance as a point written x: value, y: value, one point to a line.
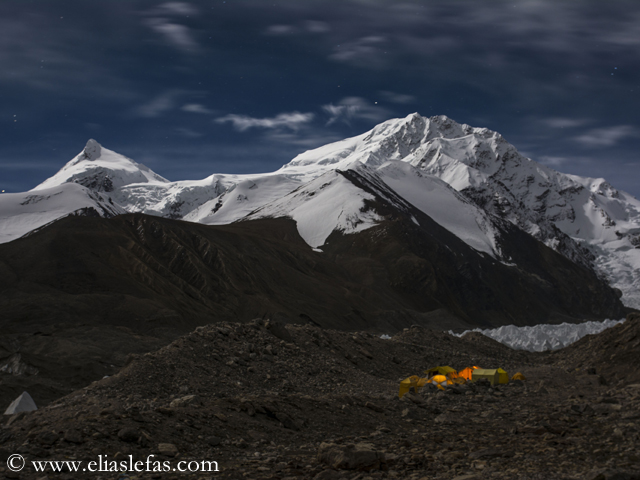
x: 444, y: 376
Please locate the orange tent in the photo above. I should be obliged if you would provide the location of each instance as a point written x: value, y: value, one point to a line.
x: 467, y: 372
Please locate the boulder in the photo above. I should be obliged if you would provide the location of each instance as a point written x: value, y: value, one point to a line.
x: 361, y: 456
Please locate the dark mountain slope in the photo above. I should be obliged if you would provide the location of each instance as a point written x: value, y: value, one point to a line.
x: 81, y: 294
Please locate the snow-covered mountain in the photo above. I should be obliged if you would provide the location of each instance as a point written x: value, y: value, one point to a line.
x: 467, y: 179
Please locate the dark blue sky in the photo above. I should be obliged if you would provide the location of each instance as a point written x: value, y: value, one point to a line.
x: 202, y: 87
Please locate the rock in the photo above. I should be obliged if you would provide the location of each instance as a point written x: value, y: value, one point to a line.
x: 486, y: 452
x: 214, y: 441
x: 374, y: 407
x: 330, y: 474
x: 278, y: 330
x: 129, y: 435
x: 47, y: 438
x: 449, y: 418
x: 24, y: 403
x: 183, y: 401
x: 287, y: 421
x: 73, y: 436
x: 361, y: 456
x: 608, y: 474
x: 168, y: 449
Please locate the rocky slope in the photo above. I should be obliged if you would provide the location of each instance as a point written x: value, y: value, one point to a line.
x: 269, y: 401
x: 78, y: 297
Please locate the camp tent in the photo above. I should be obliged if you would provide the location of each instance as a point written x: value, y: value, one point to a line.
x: 518, y: 376
x: 446, y: 371
x: 467, y: 372
x: 503, y: 377
x: 414, y: 382
x: 490, y: 374
x: 440, y: 381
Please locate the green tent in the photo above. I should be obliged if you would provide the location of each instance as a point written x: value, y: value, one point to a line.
x: 490, y: 374
x: 503, y: 377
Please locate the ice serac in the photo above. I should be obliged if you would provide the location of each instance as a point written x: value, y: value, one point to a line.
x: 539, y: 338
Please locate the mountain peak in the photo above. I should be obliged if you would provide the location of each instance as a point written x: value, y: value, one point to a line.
x: 101, y: 170
x: 92, y: 150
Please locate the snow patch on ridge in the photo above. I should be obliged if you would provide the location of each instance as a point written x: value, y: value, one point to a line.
x: 540, y: 338
x: 21, y: 213
x: 330, y: 202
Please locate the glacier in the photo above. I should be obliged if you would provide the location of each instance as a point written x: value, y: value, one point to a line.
x: 541, y: 338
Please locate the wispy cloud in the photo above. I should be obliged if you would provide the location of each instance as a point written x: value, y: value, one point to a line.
x: 174, y: 8
x: 606, y: 137
x: 290, y: 120
x: 394, y: 97
x: 179, y: 36
x: 161, y: 19
x: 157, y: 105
x: 559, y: 122
x: 196, y: 108
x: 553, y: 161
x: 351, y: 108
x: 189, y: 133
x: 314, y: 26
x: 310, y: 26
x: 364, y: 52
x: 281, y: 30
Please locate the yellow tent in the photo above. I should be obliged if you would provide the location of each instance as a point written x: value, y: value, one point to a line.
x: 440, y: 381
x: 518, y: 376
x: 503, y: 377
x: 446, y: 371
x: 414, y: 382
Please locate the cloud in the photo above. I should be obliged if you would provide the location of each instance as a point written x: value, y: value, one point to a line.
x: 176, y: 34
x: 606, y: 137
x: 282, y: 30
x: 559, y: 122
x: 310, y: 138
x: 314, y: 26
x: 158, y: 105
x: 291, y: 120
x: 310, y: 26
x: 355, y: 108
x: 553, y: 161
x: 364, y: 52
x: 187, y: 132
x: 196, y: 108
x: 394, y: 97
x: 179, y: 36
x: 175, y: 8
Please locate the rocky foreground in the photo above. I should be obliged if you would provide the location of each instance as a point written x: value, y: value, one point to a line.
x: 266, y: 401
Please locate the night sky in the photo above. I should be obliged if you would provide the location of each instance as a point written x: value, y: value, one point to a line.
x: 240, y: 86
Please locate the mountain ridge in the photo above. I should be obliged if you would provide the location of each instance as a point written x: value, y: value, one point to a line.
x: 587, y: 220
